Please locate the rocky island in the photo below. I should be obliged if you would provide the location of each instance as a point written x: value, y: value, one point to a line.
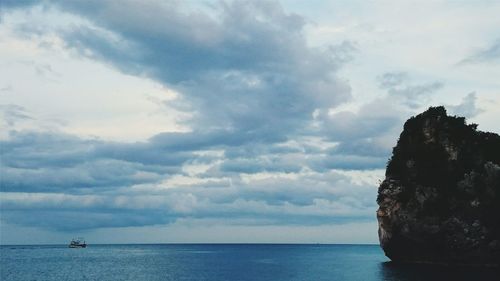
x: 440, y: 200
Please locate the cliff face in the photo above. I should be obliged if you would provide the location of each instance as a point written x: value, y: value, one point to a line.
x: 440, y: 200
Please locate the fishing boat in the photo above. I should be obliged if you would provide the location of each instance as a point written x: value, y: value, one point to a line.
x: 77, y: 243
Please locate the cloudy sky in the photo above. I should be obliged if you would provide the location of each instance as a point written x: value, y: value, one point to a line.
x: 224, y: 121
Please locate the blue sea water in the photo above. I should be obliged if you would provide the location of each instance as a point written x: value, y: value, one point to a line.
x: 211, y: 262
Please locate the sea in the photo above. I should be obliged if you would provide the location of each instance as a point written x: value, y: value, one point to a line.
x: 220, y: 262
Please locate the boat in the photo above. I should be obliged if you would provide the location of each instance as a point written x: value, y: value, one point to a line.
x: 77, y: 243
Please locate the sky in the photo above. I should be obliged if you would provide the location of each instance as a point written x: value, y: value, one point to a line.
x: 224, y: 121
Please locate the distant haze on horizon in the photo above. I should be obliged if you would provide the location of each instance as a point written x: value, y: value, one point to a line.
x: 224, y: 121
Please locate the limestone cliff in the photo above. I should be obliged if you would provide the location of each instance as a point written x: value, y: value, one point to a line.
x: 440, y: 200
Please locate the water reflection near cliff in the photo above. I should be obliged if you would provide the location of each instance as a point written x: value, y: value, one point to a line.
x: 390, y: 271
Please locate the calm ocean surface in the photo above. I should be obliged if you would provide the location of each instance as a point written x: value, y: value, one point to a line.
x: 212, y: 262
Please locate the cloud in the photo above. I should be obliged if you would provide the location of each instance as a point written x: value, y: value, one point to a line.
x: 264, y: 164
x: 344, y: 52
x: 17, y: 3
x: 374, y: 147
x: 389, y: 80
x: 369, y: 121
x: 398, y: 86
x: 312, y: 199
x: 56, y: 162
x: 244, y: 69
x: 467, y: 107
x: 12, y: 113
x: 350, y: 162
x: 272, y: 136
x: 250, y: 81
x: 363, y: 139
x: 487, y: 55
x: 49, y: 180
x: 247, y: 69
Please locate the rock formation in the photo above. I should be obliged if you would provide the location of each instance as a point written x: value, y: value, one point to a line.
x: 440, y: 200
